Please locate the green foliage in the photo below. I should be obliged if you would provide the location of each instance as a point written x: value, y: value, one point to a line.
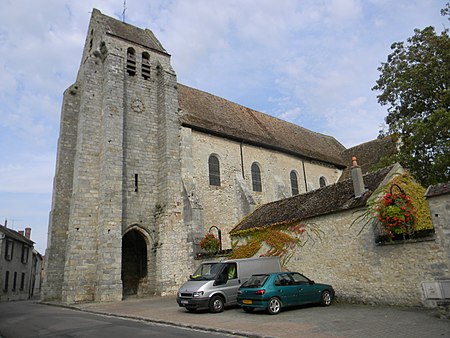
x: 415, y: 83
x: 210, y: 243
x: 398, y: 211
x: 282, y: 240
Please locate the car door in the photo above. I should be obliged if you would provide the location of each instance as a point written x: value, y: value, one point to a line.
x: 286, y: 288
x: 232, y: 283
x: 305, y: 289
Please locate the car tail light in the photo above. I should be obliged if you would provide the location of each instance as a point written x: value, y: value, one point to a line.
x: 260, y: 292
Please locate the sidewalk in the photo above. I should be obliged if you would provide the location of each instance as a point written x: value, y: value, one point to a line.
x: 338, y: 320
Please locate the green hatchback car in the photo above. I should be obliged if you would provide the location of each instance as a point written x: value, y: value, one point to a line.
x: 278, y: 290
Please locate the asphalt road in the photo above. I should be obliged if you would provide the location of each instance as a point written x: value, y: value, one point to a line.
x: 161, y: 317
x: 25, y: 319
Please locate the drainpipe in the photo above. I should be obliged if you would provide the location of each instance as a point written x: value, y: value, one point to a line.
x: 242, y: 161
x: 304, y: 175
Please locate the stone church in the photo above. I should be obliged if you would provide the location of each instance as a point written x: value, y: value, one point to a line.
x: 147, y: 166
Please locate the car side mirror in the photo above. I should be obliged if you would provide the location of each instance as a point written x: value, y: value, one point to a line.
x: 311, y: 282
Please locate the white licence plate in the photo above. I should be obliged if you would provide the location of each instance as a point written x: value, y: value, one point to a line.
x: 184, y: 302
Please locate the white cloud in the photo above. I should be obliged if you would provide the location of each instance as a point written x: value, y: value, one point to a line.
x: 311, y: 62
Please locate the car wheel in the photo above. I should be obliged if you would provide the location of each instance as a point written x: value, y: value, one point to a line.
x: 325, y: 298
x: 216, y: 304
x: 274, y: 306
x: 248, y: 309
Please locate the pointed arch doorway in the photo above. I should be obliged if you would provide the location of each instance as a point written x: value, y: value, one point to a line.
x: 134, y: 263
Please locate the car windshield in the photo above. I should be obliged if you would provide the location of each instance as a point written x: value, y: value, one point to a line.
x: 207, y: 271
x: 255, y: 281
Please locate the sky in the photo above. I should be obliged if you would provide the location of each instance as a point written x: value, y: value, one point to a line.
x: 310, y: 62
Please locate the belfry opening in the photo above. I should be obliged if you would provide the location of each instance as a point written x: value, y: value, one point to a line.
x: 134, y: 263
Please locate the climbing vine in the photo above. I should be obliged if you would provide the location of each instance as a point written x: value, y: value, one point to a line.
x: 400, y: 211
x: 276, y: 240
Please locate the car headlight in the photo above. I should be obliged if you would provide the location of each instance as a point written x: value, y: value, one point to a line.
x: 197, y: 294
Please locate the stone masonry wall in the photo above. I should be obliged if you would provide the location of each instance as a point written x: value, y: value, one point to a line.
x: 361, y: 271
x: 229, y: 200
x: 62, y: 191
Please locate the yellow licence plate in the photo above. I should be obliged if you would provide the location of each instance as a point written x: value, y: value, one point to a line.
x: 247, y: 301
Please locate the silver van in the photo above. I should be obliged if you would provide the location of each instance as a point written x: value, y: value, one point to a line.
x: 215, y: 284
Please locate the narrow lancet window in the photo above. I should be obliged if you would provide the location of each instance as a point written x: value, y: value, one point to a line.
x: 214, y: 170
x: 145, y: 65
x: 131, y: 62
x: 256, y: 177
x: 294, y: 183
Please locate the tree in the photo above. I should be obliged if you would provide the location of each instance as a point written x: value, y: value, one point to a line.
x: 414, y: 82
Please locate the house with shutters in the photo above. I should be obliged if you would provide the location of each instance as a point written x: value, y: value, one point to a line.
x: 20, y: 265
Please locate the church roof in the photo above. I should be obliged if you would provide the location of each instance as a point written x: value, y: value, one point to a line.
x: 143, y: 37
x: 368, y: 154
x: 215, y: 115
x: 332, y: 198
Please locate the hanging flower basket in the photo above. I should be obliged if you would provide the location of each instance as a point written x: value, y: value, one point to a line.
x: 396, y: 215
x: 210, y: 243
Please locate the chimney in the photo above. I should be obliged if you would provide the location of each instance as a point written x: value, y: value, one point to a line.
x: 20, y: 232
x: 6, y: 223
x: 28, y: 233
x: 357, y: 178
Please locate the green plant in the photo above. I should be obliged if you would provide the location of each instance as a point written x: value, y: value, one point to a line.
x: 396, y: 214
x: 399, y: 210
x: 210, y: 243
x: 282, y: 240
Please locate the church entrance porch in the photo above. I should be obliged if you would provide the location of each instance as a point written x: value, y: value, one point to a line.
x: 134, y: 263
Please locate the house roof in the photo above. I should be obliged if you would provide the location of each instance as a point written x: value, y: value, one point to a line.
x: 15, y: 235
x: 368, y: 154
x: 438, y: 189
x: 209, y: 113
x: 144, y: 37
x: 332, y: 198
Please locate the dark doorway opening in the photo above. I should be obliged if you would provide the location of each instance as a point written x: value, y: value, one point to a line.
x: 134, y: 262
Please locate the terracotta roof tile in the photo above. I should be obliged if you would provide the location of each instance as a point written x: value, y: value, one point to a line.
x: 438, y: 189
x: 332, y: 198
x: 210, y: 113
x: 368, y: 154
x: 115, y: 27
x: 15, y: 235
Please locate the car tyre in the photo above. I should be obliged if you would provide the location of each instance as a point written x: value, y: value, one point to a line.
x: 325, y: 298
x: 274, y: 306
x: 216, y: 304
x: 248, y: 309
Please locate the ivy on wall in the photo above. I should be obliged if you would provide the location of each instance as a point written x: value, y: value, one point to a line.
x: 277, y: 240
x: 401, y: 201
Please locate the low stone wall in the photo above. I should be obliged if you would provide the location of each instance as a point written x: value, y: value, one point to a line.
x: 364, y: 272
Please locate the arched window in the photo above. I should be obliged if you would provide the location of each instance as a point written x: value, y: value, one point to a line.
x: 214, y: 170
x: 322, y: 182
x: 294, y: 183
x: 131, y: 62
x: 256, y: 177
x: 145, y: 65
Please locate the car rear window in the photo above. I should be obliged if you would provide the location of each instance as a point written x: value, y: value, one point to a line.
x: 255, y: 281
